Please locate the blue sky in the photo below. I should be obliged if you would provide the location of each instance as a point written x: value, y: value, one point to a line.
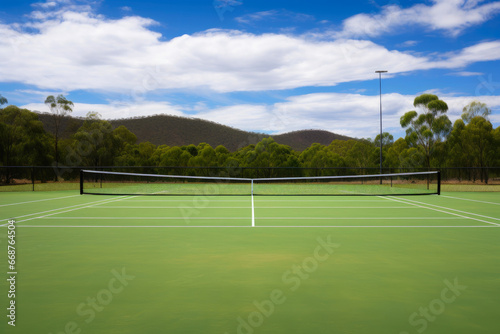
x: 267, y: 66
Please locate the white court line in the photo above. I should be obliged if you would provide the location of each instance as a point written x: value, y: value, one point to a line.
x: 442, y: 207
x: 137, y: 226
x: 360, y: 218
x: 450, y: 213
x: 472, y: 200
x: 248, y: 226
x: 188, y: 199
x: 387, y: 226
x: 39, y: 200
x: 261, y: 207
x: 336, y: 199
x: 265, y: 218
x: 170, y: 207
x: 144, y: 218
x: 257, y: 199
x: 82, y: 207
x: 253, y: 209
x: 336, y: 207
x: 67, y: 207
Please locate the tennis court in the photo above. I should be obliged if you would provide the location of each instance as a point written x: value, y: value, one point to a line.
x: 254, y: 264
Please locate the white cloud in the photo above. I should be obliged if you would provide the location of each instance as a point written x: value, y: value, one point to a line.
x: 259, y: 16
x: 451, y: 16
x: 465, y: 74
x: 408, y: 44
x: 86, y: 51
x: 352, y: 115
x: 72, y: 49
x: 485, y: 51
x: 273, y: 15
x: 116, y: 110
x: 48, y: 4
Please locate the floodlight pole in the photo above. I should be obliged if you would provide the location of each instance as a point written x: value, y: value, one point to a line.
x: 380, y: 85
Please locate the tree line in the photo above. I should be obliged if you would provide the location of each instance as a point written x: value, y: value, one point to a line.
x: 431, y: 141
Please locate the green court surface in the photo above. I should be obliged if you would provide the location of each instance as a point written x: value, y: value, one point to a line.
x: 262, y: 264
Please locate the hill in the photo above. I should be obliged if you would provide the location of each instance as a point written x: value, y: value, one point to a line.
x: 178, y: 131
x: 300, y: 140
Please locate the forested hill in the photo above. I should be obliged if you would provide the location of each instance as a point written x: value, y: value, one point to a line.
x: 300, y: 140
x: 179, y: 131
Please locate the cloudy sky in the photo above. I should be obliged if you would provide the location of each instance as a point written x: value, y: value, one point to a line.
x: 270, y: 66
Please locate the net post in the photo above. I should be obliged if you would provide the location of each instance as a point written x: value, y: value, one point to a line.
x: 81, y: 181
x: 439, y: 182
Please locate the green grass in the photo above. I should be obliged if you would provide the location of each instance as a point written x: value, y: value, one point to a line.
x: 191, y: 279
x: 49, y: 186
x: 243, y: 188
x: 471, y: 187
x: 259, y: 188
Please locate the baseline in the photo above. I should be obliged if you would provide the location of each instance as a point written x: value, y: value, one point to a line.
x: 262, y: 207
x: 248, y: 226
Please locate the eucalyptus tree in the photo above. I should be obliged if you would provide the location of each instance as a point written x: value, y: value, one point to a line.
x: 429, y: 127
x: 60, y: 107
x: 3, y: 100
x: 475, y: 108
x: 95, y: 142
x: 23, y: 140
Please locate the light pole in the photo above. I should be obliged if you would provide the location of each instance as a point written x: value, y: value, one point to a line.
x: 380, y: 84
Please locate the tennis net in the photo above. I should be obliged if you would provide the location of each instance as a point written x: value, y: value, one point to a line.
x: 116, y: 183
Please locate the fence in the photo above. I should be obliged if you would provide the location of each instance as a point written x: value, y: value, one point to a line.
x: 33, y: 178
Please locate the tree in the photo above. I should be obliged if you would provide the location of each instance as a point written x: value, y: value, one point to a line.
x: 94, y: 141
x: 458, y: 153
x: 156, y: 156
x: 3, y: 100
x: 145, y: 152
x: 317, y: 157
x: 473, y: 109
x: 59, y: 107
x: 222, y: 154
x: 411, y: 158
x: 341, y: 147
x: 267, y: 153
x: 125, y: 135
x: 193, y: 150
x: 23, y: 140
x: 206, y: 157
x: 362, y: 154
x: 428, y: 127
x: 473, y: 145
x: 387, y: 140
x: 478, y: 134
x: 394, y: 152
x: 496, y: 143
x: 174, y: 157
